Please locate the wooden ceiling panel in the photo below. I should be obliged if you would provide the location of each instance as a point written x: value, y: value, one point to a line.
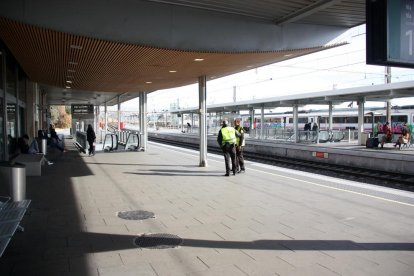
x: 66, y: 60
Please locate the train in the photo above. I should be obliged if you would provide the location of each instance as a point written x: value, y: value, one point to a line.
x: 343, y: 119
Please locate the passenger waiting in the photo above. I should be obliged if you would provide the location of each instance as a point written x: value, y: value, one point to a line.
x: 25, y: 147
x: 403, y: 139
x: 55, y: 141
x: 32, y: 148
x: 387, y: 138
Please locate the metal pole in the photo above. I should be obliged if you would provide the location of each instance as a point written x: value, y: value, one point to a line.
x: 360, y: 120
x: 119, y: 115
x: 144, y: 121
x: 388, y: 80
x: 330, y: 116
x: 295, y: 123
x: 261, y: 122
x: 106, y: 118
x: 202, y: 119
x: 182, y: 123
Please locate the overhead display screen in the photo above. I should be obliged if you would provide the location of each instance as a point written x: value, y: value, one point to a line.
x: 390, y: 32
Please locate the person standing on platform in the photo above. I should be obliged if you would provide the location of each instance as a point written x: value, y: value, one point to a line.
x: 307, y: 128
x: 91, y: 138
x: 314, y: 131
x: 239, y: 146
x: 227, y: 140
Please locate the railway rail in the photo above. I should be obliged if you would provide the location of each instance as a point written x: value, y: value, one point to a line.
x: 381, y: 178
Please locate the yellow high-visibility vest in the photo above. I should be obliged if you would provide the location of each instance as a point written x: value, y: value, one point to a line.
x: 229, y: 135
x: 240, y: 130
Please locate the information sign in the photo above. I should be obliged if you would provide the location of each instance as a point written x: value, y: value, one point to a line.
x: 390, y: 32
x: 82, y: 109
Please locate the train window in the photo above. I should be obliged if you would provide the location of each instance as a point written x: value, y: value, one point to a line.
x: 302, y: 120
x: 368, y: 119
x: 399, y: 118
x: 380, y: 119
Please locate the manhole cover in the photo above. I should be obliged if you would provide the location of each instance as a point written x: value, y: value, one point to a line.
x: 158, y: 241
x: 136, y: 215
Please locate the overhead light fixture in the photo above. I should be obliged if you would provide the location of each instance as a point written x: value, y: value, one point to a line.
x: 148, y: 82
x: 288, y: 55
x: 69, y: 81
x: 68, y: 87
x: 73, y: 63
x: 198, y: 59
x: 71, y: 70
x: 173, y: 71
x: 77, y: 47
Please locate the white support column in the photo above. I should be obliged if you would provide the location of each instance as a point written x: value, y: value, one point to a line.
x: 262, y: 122
x: 388, y: 80
x: 182, y: 123
x: 330, y: 117
x: 106, y: 119
x: 144, y: 122
x: 252, y: 133
x: 361, y: 121
x: 202, y: 93
x: 96, y: 121
x: 295, y: 123
x: 119, y: 115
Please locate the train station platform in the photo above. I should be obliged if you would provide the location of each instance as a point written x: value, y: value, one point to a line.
x: 388, y: 159
x: 267, y: 221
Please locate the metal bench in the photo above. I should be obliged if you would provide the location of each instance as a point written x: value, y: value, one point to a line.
x: 11, y: 214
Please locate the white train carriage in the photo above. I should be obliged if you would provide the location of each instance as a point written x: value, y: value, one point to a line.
x: 342, y: 119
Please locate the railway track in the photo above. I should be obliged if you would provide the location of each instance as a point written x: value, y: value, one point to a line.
x: 381, y: 178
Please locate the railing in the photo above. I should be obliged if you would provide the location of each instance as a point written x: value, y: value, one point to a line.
x: 110, y: 142
x: 129, y: 139
x: 81, y: 138
x: 303, y: 136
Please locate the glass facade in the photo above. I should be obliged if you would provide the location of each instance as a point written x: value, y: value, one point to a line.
x: 2, y: 142
x: 14, y: 125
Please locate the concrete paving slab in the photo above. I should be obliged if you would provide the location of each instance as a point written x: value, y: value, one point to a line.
x: 265, y: 222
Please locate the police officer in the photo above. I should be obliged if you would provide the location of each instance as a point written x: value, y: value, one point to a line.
x: 227, y: 141
x: 239, y: 146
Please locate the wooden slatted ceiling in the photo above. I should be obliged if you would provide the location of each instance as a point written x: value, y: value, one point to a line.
x: 62, y: 59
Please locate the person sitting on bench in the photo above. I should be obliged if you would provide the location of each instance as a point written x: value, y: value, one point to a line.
x: 25, y: 147
x: 33, y: 148
x: 403, y: 139
x: 387, y: 138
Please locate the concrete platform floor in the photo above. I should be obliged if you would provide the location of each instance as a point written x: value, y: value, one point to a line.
x: 268, y: 221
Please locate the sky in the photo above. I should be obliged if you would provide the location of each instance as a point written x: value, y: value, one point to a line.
x: 337, y: 68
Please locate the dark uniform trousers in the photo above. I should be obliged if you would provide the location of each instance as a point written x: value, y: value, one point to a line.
x: 229, y: 151
x: 239, y: 158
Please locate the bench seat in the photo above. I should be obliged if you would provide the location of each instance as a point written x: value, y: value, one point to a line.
x: 33, y: 163
x: 11, y: 214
